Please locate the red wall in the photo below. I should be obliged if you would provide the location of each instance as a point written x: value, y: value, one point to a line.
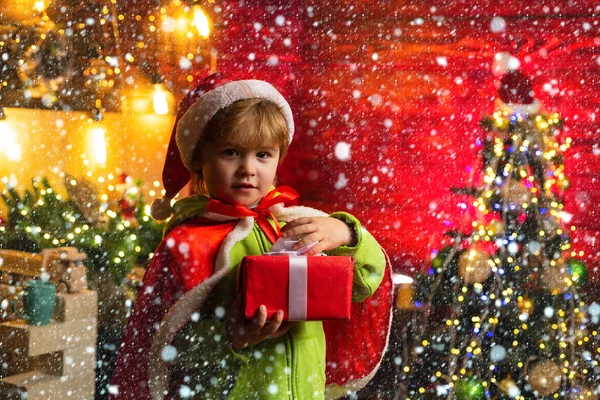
x: 399, y: 176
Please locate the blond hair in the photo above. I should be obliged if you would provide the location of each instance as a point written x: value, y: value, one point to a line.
x: 248, y: 123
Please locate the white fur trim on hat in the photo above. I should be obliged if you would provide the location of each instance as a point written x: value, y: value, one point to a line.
x: 191, y: 126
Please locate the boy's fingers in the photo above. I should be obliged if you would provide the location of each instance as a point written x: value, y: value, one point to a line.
x: 274, y: 325
x: 301, y: 230
x: 308, y: 239
x: 284, y: 328
x: 261, y: 317
x: 296, y: 222
x: 316, y: 250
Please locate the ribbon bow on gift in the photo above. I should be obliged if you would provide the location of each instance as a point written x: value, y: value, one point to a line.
x: 282, y: 194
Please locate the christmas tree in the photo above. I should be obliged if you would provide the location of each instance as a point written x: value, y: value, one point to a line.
x: 116, y: 232
x: 505, y: 317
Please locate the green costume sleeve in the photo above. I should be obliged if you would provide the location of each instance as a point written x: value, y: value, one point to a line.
x: 369, y: 260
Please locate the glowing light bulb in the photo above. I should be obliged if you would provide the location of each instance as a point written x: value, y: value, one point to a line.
x: 39, y: 6
x: 201, y: 22
x: 99, y: 145
x: 8, y: 142
x: 160, y: 101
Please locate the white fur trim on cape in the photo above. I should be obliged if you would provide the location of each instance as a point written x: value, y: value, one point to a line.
x: 287, y: 214
x: 524, y: 109
x: 191, y: 125
x: 180, y: 313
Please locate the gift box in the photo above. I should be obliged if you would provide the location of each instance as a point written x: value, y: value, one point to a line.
x: 306, y: 288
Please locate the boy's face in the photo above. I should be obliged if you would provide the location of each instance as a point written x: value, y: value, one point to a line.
x: 238, y: 175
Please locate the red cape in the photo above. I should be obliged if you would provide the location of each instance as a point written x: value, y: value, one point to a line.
x: 354, y: 348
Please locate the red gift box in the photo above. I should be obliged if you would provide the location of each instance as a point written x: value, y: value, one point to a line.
x: 307, y: 288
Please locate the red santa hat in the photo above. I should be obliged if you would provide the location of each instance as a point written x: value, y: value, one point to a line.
x: 195, y: 111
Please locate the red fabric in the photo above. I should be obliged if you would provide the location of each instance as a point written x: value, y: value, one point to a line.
x: 172, y: 272
x: 265, y: 280
x: 285, y: 195
x: 355, y: 347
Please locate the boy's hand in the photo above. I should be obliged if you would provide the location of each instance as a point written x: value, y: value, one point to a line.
x: 329, y: 232
x: 243, y: 332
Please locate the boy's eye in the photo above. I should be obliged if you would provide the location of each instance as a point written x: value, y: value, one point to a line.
x: 230, y: 152
x: 263, y: 154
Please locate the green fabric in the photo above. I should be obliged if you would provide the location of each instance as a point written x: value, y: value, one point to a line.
x: 369, y: 260
x: 289, y: 367
x: 184, y: 209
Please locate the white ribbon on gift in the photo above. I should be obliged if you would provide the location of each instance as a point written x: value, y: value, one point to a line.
x: 298, y: 288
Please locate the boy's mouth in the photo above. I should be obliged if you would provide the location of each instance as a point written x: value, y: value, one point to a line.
x: 244, y: 186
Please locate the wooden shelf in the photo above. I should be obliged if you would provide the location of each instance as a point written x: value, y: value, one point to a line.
x: 40, y: 386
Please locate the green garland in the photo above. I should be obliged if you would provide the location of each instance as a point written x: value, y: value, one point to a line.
x: 40, y: 218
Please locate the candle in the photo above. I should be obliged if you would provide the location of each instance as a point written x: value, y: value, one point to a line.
x: 404, y: 296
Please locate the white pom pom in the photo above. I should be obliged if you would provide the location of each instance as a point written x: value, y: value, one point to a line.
x: 504, y: 62
x: 161, y: 208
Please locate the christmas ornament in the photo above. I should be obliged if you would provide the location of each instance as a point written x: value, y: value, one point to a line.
x: 535, y: 261
x: 553, y: 278
x: 545, y: 378
x: 515, y: 193
x: 470, y: 389
x: 525, y: 304
x: 474, y: 265
x: 550, y: 226
x: 515, y: 88
x: 508, y: 386
x: 578, y: 271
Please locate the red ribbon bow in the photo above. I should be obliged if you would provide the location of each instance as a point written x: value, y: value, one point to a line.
x: 282, y: 194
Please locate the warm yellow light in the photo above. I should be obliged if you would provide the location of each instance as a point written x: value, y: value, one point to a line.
x: 39, y: 6
x: 161, y: 99
x: 99, y: 145
x: 201, y: 22
x: 161, y: 106
x: 169, y: 25
x: 182, y: 24
x: 8, y: 142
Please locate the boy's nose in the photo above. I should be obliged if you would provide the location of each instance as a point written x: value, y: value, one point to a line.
x: 247, y: 168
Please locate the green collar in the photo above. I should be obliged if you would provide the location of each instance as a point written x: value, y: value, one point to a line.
x: 184, y: 209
